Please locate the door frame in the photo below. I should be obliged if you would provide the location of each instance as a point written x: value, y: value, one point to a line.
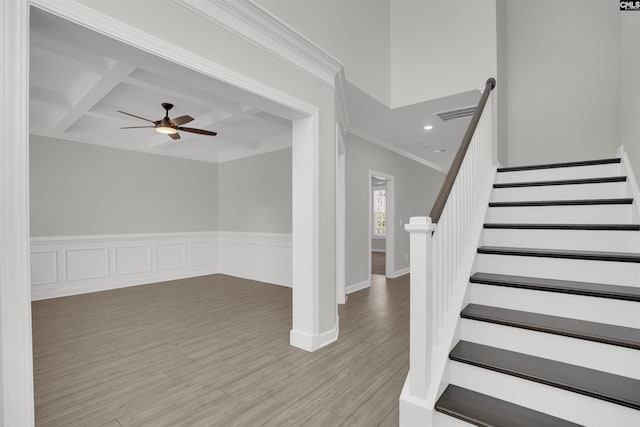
x: 391, y: 234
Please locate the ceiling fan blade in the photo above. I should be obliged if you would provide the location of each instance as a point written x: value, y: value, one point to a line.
x: 137, y: 117
x: 200, y: 131
x: 137, y: 127
x: 174, y: 135
x: 182, y: 120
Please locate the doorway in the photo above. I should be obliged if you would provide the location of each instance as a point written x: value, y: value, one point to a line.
x: 381, y: 224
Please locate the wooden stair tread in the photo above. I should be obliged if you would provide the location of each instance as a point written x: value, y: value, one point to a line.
x: 560, y: 165
x: 561, y: 253
x: 486, y: 411
x: 581, y: 329
x: 555, y: 182
x: 589, y: 382
x: 591, y: 227
x: 626, y: 293
x: 579, y: 202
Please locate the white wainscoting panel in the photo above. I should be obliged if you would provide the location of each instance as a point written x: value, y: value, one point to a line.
x: 266, y: 257
x: 69, y: 265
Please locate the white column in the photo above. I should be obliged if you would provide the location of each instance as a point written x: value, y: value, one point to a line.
x: 421, y: 308
x: 16, y: 373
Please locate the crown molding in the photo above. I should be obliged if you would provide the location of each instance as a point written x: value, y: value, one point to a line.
x: 377, y: 141
x: 255, y: 24
x: 249, y: 21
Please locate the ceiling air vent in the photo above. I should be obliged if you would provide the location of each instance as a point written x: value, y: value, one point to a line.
x: 459, y: 113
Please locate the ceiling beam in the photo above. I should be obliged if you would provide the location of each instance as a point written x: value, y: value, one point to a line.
x: 68, y: 55
x: 89, y: 93
x: 176, y: 91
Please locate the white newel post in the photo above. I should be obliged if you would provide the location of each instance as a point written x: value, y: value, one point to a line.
x: 422, y: 327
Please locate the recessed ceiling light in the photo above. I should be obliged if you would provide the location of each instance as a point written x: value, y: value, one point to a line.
x: 428, y: 127
x: 439, y: 151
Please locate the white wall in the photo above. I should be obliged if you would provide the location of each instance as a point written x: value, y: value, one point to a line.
x: 440, y: 48
x: 562, y: 88
x: 84, y: 189
x: 416, y: 187
x: 356, y: 32
x: 255, y: 193
x: 630, y: 87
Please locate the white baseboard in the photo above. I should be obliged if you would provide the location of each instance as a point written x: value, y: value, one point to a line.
x: 379, y: 250
x: 310, y: 342
x: 357, y: 287
x: 70, y: 265
x: 398, y: 273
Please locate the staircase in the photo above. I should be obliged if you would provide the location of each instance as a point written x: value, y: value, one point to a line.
x: 549, y: 333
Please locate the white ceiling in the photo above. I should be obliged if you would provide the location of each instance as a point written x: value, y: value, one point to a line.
x: 80, y: 79
x: 402, y: 129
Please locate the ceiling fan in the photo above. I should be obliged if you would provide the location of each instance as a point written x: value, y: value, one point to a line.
x: 169, y: 126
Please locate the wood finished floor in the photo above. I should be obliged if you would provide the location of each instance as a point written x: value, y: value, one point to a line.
x: 214, y: 351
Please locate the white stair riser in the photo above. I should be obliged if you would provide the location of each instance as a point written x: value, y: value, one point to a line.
x: 442, y: 420
x: 600, y: 240
x: 560, y: 403
x: 584, y: 214
x: 576, y: 172
x: 609, y: 272
x: 608, y: 190
x: 593, y: 309
x: 575, y: 351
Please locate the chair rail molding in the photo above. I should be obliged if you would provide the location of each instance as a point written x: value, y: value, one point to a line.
x: 258, y: 26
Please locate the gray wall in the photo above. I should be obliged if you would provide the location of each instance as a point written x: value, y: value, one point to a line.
x: 379, y: 245
x: 78, y: 188
x: 254, y: 193
x: 630, y: 87
x: 416, y: 187
x: 562, y: 79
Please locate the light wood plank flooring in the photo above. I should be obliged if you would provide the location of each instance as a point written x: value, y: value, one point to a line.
x: 215, y: 350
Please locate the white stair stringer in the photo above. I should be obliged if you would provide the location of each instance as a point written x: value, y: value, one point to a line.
x: 554, y: 401
x: 574, y: 172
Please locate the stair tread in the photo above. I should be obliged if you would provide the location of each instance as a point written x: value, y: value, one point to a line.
x: 555, y: 182
x: 561, y: 253
x: 604, y: 227
x: 577, y: 202
x: 482, y: 410
x: 591, y: 331
x: 590, y: 382
x: 560, y: 165
x: 627, y: 293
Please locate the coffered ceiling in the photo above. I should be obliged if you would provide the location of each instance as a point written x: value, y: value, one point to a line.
x: 80, y: 79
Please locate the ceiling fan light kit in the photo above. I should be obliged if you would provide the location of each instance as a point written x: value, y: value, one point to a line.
x: 169, y: 126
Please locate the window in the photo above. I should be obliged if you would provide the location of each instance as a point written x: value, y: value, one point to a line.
x: 380, y: 213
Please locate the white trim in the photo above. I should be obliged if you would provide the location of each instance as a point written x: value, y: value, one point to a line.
x: 71, y: 265
x: 256, y: 25
x: 314, y: 342
x: 379, y: 250
x: 632, y: 182
x: 341, y: 225
x: 398, y: 273
x: 377, y: 141
x: 357, y: 286
x: 118, y: 30
x: 260, y: 27
x: 16, y: 366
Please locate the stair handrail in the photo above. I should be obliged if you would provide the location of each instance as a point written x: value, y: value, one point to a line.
x: 447, y: 185
x: 442, y: 249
